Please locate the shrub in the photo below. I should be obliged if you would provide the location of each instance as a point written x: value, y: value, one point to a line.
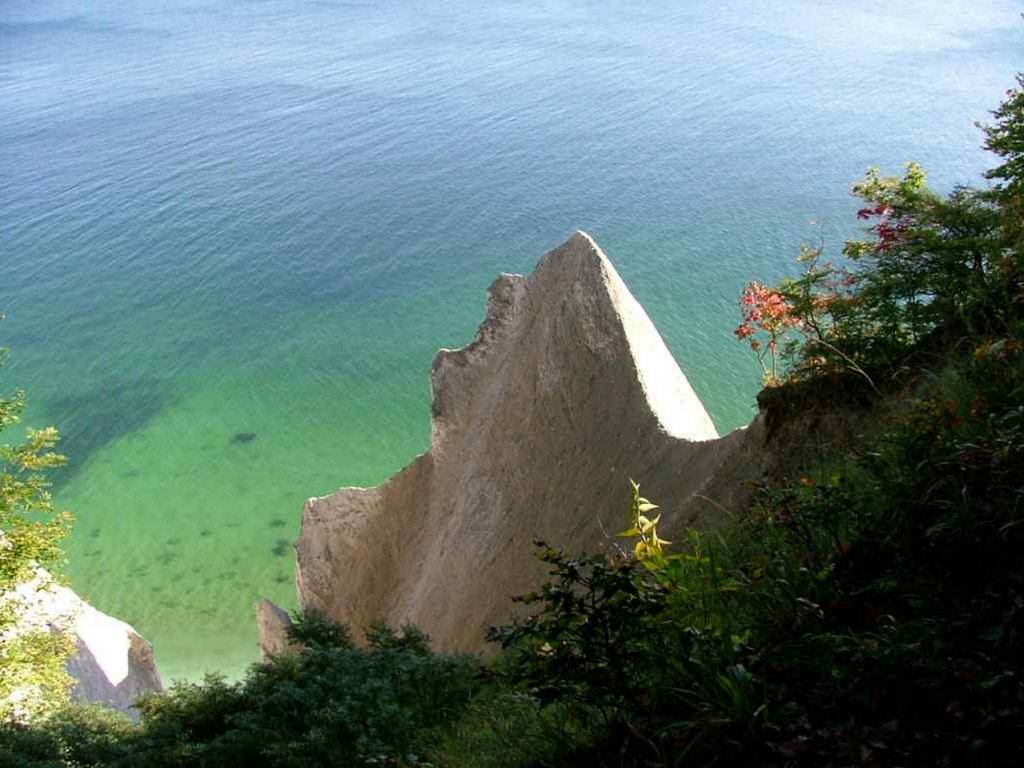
x: 503, y: 728
x: 75, y: 735
x: 312, y: 629
x: 928, y: 266
x: 327, y: 704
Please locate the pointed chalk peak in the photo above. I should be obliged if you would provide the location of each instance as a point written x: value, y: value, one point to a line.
x: 566, y: 390
x: 580, y: 265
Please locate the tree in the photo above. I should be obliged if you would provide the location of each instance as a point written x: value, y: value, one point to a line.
x: 1005, y: 138
x: 32, y: 675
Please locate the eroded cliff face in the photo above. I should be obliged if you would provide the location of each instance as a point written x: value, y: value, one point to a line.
x: 112, y: 664
x: 566, y: 392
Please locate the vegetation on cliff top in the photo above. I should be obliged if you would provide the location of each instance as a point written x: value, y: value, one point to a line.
x: 868, y: 609
x: 32, y: 676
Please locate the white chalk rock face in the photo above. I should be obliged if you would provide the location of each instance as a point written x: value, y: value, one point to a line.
x: 566, y: 392
x: 112, y: 663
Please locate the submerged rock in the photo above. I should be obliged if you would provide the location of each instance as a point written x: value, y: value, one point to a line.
x: 566, y: 392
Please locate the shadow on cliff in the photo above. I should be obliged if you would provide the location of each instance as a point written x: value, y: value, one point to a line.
x: 93, y: 686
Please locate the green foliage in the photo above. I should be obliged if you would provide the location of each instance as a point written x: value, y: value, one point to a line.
x: 312, y: 629
x: 635, y: 645
x: 32, y: 677
x: 928, y: 267
x: 928, y: 260
x: 649, y: 547
x: 327, y: 704
x: 337, y: 706
x: 509, y: 729
x: 410, y: 639
x: 1005, y: 138
x: 76, y: 735
x: 589, y: 641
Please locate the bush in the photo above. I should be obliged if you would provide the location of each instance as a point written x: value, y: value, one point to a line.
x: 504, y: 728
x: 327, y: 704
x: 76, y: 735
x: 929, y: 268
x: 312, y: 629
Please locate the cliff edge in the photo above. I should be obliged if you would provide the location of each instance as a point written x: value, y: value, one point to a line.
x: 566, y: 391
x: 111, y: 664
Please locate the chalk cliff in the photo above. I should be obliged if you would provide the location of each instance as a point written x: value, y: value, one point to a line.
x: 566, y: 391
x: 112, y: 664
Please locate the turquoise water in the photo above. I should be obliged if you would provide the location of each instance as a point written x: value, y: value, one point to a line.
x: 234, y: 233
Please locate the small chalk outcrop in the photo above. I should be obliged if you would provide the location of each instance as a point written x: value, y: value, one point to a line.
x: 566, y: 392
x: 112, y: 664
x: 273, y: 623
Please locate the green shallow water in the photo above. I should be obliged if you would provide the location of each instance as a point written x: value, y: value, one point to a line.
x: 233, y: 234
x: 192, y: 514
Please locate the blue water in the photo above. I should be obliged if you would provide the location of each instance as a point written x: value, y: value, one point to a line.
x: 261, y: 218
